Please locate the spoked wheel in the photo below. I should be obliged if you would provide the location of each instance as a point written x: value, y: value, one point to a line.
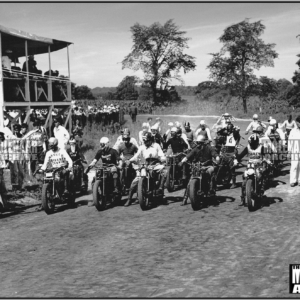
x: 170, y: 180
x: 250, y: 195
x: 142, y: 193
x: 193, y: 193
x: 98, y: 198
x: 47, y: 200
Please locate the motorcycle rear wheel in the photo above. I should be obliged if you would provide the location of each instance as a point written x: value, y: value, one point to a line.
x: 170, y: 181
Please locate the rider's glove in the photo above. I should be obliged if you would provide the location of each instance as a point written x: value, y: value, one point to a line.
x: 180, y: 163
x: 127, y: 162
x: 235, y: 162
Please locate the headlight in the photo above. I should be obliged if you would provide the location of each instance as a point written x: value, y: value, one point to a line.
x: 249, y: 172
x: 143, y: 173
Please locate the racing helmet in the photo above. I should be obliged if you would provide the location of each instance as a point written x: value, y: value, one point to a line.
x: 200, y: 140
x: 104, y: 142
x: 259, y: 130
x: 253, y: 141
x: 173, y: 131
x: 148, y: 139
x: 53, y: 143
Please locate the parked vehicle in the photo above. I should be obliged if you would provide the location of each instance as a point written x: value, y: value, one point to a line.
x: 103, y: 187
x: 148, y: 184
x: 52, y: 191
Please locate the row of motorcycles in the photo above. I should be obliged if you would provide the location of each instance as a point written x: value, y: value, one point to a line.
x: 148, y: 183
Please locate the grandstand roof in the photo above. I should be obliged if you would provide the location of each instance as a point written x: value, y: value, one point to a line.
x: 13, y: 39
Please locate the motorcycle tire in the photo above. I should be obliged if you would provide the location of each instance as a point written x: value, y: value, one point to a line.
x: 142, y: 193
x: 170, y: 181
x: 47, y: 204
x: 249, y: 195
x: 71, y: 200
x: 193, y: 193
x: 98, y: 198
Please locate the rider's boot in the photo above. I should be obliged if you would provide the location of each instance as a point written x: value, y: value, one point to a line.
x: 233, y: 185
x: 185, y: 197
x: 162, y: 184
x: 212, y: 191
x: 83, y: 183
x: 131, y: 192
x: 242, y: 203
x: 66, y: 192
x: 116, y: 186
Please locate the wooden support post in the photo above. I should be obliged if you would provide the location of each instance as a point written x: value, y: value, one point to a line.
x: 27, y: 84
x: 1, y: 88
x: 27, y: 118
x: 69, y: 85
x: 48, y: 117
x: 50, y: 94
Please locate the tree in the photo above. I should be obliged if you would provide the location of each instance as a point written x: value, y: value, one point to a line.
x: 126, y: 90
x: 267, y: 91
x: 83, y: 92
x: 243, y: 52
x: 158, y: 51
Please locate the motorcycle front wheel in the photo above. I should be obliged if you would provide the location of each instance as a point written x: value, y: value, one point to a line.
x: 193, y: 193
x: 142, y: 193
x: 47, y: 201
x: 249, y: 194
x: 98, y: 197
x: 170, y: 180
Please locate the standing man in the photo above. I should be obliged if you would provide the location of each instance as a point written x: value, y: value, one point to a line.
x: 3, y: 165
x: 203, y: 130
x: 293, y: 153
x: 61, y: 133
x: 254, y: 124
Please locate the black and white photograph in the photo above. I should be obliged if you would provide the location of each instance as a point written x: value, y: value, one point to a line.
x: 149, y: 150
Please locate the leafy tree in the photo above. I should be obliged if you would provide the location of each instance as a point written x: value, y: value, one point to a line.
x: 126, y: 90
x: 158, y: 50
x: 267, y: 91
x: 83, y: 92
x: 243, y: 52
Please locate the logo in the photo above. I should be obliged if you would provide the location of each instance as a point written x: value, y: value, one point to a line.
x: 294, y: 279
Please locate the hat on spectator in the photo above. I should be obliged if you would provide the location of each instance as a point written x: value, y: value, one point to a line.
x: 202, y: 122
x: 273, y: 122
x: 170, y: 124
x: 145, y: 125
x: 155, y: 126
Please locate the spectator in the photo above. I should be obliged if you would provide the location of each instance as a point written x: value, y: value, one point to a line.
x: 61, y: 134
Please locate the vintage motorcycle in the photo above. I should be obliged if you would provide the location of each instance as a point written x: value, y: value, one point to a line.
x: 78, y: 178
x: 103, y: 187
x: 174, y: 175
x: 148, y: 183
x: 199, y: 184
x: 253, y: 186
x: 127, y: 175
x: 52, y: 190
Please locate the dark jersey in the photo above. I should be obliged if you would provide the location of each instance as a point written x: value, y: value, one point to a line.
x: 76, y: 154
x: 177, y: 144
x: 110, y: 156
x: 128, y: 151
x: 206, y: 153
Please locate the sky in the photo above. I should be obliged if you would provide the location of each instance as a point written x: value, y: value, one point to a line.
x: 101, y: 37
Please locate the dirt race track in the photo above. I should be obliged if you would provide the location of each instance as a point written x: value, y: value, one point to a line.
x: 222, y: 250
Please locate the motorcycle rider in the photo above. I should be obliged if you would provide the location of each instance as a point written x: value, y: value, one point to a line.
x: 59, y: 157
x: 158, y: 139
x: 75, y: 154
x: 254, y: 124
x: 203, y: 130
x: 120, y: 139
x: 178, y: 145
x: 108, y: 155
x: 232, y: 134
x: 189, y: 133
x: 145, y: 129
x: 149, y: 151
x: 256, y: 153
x: 127, y: 151
x: 203, y: 153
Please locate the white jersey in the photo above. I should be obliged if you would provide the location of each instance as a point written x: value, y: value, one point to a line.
x: 230, y: 141
x: 255, y: 155
x: 57, y: 159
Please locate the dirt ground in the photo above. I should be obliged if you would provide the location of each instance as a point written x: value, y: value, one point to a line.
x: 222, y: 250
